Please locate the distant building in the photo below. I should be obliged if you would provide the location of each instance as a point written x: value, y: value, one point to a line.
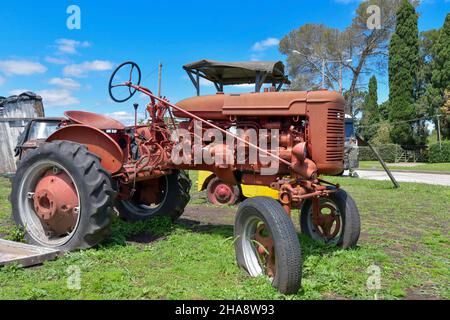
x: 15, y: 112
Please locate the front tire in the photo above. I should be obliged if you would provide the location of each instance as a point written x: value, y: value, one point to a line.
x: 342, y: 209
x: 267, y: 243
x: 174, y: 199
x: 62, y: 197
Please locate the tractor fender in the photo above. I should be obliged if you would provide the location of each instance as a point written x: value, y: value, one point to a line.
x: 96, y: 141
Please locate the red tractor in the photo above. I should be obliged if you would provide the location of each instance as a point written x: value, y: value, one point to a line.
x: 65, y: 190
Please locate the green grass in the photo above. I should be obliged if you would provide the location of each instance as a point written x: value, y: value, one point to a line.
x: 405, y: 232
x: 444, y: 167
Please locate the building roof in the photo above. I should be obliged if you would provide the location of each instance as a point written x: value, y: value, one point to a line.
x: 17, y: 98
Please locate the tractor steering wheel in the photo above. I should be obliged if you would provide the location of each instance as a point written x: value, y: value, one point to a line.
x: 127, y: 70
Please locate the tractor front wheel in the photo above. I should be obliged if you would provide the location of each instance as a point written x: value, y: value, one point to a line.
x: 337, y: 220
x: 267, y: 243
x: 62, y: 197
x: 170, y: 199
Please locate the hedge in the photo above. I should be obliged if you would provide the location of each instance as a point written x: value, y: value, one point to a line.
x: 437, y: 154
x: 388, y: 153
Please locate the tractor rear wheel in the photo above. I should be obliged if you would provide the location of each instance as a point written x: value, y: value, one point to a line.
x: 338, y: 220
x: 267, y: 243
x: 221, y: 193
x: 62, y: 197
x: 171, y: 200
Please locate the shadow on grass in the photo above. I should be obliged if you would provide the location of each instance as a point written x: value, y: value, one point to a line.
x: 156, y: 229
x: 142, y: 232
x: 309, y: 247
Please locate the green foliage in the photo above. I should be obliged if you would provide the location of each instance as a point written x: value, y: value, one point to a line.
x: 382, y: 136
x: 388, y: 152
x: 441, y: 69
x: 441, y: 76
x: 438, y: 154
x: 371, y: 114
x: 16, y: 234
x: 384, y: 110
x: 403, y: 62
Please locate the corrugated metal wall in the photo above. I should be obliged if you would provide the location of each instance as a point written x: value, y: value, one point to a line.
x: 26, y: 106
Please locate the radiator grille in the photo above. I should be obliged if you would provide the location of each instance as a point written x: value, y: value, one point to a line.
x: 335, y: 135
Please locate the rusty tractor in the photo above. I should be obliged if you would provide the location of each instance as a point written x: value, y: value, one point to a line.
x: 66, y: 188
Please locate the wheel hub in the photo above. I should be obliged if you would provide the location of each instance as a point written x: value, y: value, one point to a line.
x: 266, y: 249
x: 223, y: 193
x: 56, y: 202
x: 327, y: 220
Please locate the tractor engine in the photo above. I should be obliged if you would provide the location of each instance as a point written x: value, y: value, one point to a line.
x: 310, y: 124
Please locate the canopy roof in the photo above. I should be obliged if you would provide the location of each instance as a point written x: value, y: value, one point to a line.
x: 233, y: 73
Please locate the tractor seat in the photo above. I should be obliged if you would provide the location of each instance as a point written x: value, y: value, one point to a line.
x: 98, y: 121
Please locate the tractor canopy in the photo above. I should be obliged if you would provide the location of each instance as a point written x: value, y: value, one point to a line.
x: 236, y: 73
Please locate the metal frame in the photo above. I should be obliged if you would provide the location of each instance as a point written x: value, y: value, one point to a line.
x: 261, y: 76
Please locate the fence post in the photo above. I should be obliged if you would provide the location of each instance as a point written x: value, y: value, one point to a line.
x: 383, y: 164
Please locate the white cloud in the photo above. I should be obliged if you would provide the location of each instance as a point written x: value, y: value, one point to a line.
x: 125, y: 117
x: 265, y: 44
x: 65, y: 83
x: 56, y: 60
x: 52, y: 97
x: 68, y: 46
x: 80, y: 70
x: 121, y: 116
x: 21, y: 67
x: 2, y: 81
x: 58, y: 98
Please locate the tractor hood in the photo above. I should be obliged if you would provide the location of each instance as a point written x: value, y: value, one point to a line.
x: 223, y: 106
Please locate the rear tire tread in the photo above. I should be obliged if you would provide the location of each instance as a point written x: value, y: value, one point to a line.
x: 95, y: 185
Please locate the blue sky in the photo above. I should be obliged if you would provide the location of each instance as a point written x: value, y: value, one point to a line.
x: 71, y: 68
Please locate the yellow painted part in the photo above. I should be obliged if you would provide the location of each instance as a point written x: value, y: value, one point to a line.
x: 202, y: 177
x: 258, y: 191
x: 247, y: 191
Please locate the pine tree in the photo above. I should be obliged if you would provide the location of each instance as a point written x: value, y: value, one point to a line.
x: 403, y: 62
x: 371, y: 113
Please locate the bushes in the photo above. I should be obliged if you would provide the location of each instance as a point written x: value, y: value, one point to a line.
x: 388, y: 153
x: 437, y: 154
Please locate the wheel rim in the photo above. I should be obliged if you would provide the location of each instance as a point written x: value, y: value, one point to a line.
x: 258, y: 248
x: 49, y: 203
x: 221, y: 193
x: 146, y: 210
x: 328, y: 225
